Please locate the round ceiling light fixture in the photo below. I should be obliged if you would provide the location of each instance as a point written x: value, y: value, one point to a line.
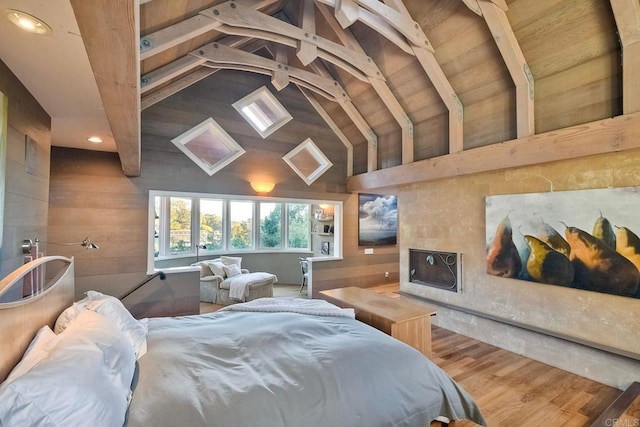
x: 95, y: 139
x: 27, y: 22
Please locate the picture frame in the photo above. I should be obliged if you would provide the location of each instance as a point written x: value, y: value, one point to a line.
x: 377, y: 219
x: 325, y: 247
x: 579, y: 239
x: 317, y: 214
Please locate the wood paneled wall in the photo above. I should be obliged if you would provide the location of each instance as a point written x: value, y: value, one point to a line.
x: 212, y: 97
x: 91, y: 196
x: 356, y: 268
x: 26, y: 194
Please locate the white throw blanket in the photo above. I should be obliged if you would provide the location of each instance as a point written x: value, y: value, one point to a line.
x: 315, y: 307
x: 238, y: 284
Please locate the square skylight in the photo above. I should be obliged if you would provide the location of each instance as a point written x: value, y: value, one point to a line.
x: 263, y: 111
x: 308, y: 161
x: 209, y: 146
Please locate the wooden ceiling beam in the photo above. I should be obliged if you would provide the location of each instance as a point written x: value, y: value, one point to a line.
x: 381, y: 88
x: 191, y: 78
x: 277, y: 38
x: 403, y: 22
x: 440, y: 82
x: 239, y: 16
x: 307, y: 52
x: 332, y: 125
x: 175, y: 87
x: 372, y: 21
x: 358, y: 120
x: 627, y: 16
x: 168, y: 37
x: 175, y: 34
x: 280, y: 79
x: 600, y: 137
x: 475, y: 7
x: 220, y: 54
x: 168, y: 72
x: 496, y: 19
x: 110, y: 32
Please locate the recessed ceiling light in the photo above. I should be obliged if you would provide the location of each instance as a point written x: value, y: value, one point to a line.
x: 27, y: 22
x: 95, y: 139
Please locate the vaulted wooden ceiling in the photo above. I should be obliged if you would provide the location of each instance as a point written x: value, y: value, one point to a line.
x: 399, y: 82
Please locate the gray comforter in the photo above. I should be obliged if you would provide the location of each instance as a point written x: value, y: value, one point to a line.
x: 238, y: 369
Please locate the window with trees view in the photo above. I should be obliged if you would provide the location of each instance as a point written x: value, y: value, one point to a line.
x: 187, y: 225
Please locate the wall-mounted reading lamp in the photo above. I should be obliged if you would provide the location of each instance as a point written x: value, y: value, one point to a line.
x: 28, y: 245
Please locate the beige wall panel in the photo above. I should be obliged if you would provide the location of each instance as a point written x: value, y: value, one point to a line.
x: 448, y: 215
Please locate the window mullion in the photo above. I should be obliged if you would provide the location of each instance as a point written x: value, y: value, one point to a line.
x: 195, y: 224
x: 165, y: 224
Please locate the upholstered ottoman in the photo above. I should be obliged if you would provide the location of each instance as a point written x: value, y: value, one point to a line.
x: 257, y: 285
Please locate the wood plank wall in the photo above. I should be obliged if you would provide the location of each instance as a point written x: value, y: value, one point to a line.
x: 91, y: 196
x: 26, y: 194
x: 212, y: 97
x: 356, y: 268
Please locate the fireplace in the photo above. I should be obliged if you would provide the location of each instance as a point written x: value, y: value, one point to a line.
x: 442, y: 270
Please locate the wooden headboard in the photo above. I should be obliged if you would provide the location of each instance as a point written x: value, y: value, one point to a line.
x: 20, y: 320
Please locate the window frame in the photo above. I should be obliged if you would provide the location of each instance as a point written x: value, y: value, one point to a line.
x: 226, y: 249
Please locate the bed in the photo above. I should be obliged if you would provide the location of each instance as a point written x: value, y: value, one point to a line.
x: 268, y: 362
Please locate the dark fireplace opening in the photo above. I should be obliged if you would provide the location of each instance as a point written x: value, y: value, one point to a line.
x: 437, y: 269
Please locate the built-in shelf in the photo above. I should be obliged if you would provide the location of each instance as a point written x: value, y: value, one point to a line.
x: 323, y: 234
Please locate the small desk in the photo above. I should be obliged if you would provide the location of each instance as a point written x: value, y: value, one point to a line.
x: 403, y: 320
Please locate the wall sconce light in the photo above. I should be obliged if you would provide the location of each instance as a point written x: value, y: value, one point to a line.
x: 28, y: 244
x: 263, y: 187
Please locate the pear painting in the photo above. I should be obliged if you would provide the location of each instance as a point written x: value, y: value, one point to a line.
x: 585, y: 239
x: 503, y: 258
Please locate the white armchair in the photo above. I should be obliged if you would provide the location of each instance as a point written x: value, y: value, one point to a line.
x: 215, y: 286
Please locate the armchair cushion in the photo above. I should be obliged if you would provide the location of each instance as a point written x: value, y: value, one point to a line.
x: 216, y: 267
x: 228, y: 260
x: 232, y: 270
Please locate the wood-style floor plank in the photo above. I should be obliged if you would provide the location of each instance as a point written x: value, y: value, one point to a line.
x: 513, y: 390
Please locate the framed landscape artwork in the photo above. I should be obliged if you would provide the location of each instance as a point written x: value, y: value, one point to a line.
x: 584, y: 239
x: 377, y: 219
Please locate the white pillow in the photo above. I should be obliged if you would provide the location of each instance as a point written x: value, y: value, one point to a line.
x: 111, y: 307
x: 38, y: 350
x: 85, y: 379
x: 232, y: 270
x: 216, y: 267
x: 136, y: 331
x: 228, y: 260
x: 69, y: 314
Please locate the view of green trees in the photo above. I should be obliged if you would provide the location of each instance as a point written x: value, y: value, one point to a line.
x: 211, y: 228
x: 270, y: 233
x: 298, y: 225
x: 180, y: 238
x: 211, y: 231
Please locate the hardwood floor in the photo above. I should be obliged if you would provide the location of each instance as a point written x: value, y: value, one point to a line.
x: 513, y: 390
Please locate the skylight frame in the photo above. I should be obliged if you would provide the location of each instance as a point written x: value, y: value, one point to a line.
x: 312, y: 149
x: 209, y: 125
x: 243, y: 106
